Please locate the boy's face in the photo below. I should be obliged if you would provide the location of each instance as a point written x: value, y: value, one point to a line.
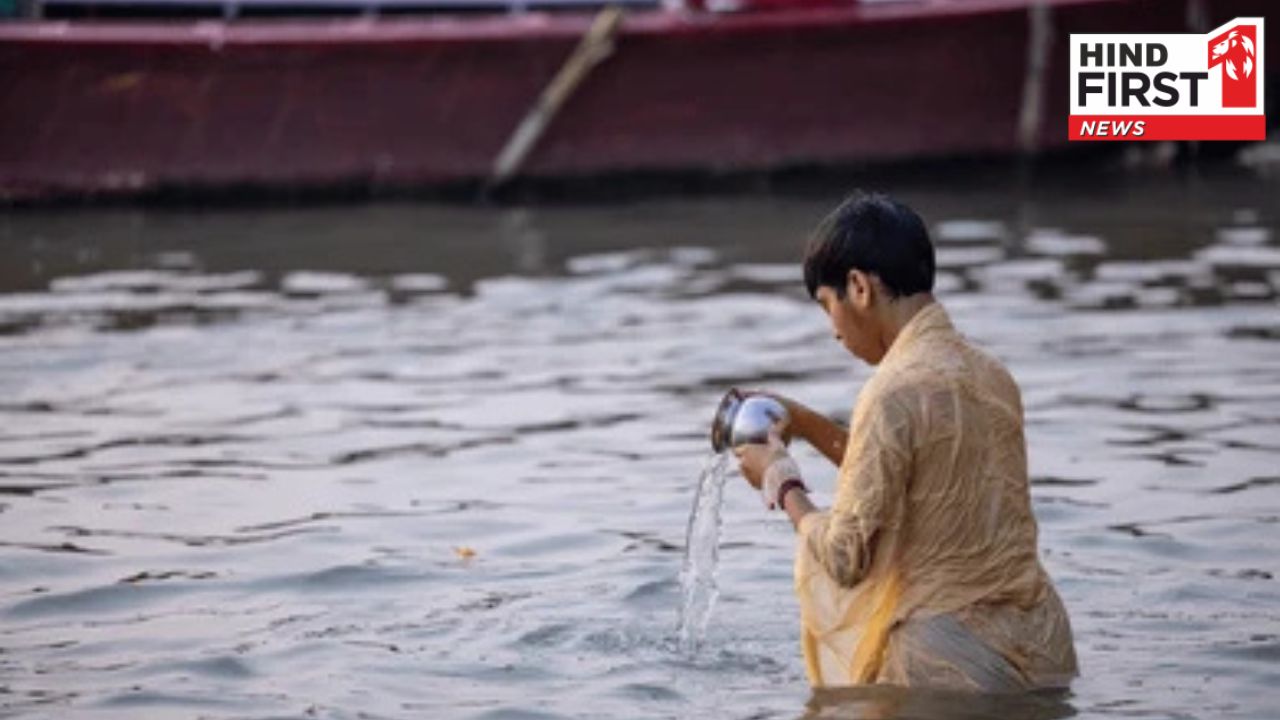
x: 853, y: 319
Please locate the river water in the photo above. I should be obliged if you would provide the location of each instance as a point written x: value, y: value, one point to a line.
x: 400, y: 461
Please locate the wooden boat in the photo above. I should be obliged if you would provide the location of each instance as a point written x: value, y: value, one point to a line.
x: 134, y: 106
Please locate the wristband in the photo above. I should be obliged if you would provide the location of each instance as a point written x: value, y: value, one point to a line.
x: 792, y: 484
x: 782, y: 469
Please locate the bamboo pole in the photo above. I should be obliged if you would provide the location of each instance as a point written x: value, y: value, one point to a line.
x: 596, y: 45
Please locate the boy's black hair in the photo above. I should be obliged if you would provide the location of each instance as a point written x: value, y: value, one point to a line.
x: 877, y: 235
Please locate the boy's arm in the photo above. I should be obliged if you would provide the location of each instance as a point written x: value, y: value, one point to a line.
x: 870, y: 494
x: 797, y: 504
x: 825, y: 435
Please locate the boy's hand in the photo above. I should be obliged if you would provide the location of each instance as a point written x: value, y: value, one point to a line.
x: 753, y: 461
x: 766, y: 467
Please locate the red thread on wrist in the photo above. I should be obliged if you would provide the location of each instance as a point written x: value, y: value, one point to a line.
x: 787, y: 486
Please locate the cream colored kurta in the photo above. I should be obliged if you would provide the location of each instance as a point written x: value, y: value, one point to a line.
x: 924, y: 571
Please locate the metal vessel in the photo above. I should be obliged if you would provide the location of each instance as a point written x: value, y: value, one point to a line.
x: 745, y: 419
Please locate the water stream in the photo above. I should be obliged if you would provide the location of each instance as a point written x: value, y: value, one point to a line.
x: 698, y: 588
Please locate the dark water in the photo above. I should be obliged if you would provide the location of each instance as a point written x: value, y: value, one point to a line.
x: 246, y: 456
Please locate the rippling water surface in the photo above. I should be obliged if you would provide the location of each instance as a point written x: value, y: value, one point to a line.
x: 398, y: 461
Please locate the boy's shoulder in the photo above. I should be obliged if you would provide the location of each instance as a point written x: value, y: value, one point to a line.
x: 946, y: 362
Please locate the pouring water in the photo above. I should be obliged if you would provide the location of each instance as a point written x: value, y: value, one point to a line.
x: 740, y: 419
x: 698, y: 589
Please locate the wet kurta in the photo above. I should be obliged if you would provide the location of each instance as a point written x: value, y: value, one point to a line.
x: 925, y: 569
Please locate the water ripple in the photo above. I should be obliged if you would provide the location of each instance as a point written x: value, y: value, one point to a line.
x: 247, y: 472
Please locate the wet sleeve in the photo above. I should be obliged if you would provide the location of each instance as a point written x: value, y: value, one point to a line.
x: 869, y: 493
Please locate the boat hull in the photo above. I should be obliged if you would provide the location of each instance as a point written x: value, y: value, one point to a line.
x: 92, y: 109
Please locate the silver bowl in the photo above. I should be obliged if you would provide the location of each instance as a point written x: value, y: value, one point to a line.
x: 745, y: 419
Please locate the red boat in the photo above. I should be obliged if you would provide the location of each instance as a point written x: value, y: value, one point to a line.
x: 92, y: 107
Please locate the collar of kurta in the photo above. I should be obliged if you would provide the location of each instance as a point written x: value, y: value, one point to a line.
x: 930, y: 318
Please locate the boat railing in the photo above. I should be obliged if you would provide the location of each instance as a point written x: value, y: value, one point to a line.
x: 231, y: 9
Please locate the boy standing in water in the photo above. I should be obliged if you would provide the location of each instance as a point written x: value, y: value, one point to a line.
x: 924, y: 572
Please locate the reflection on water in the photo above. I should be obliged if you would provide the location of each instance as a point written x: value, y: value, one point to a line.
x: 240, y: 450
x: 886, y: 703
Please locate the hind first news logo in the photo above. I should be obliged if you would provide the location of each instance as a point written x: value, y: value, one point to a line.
x: 1169, y: 87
